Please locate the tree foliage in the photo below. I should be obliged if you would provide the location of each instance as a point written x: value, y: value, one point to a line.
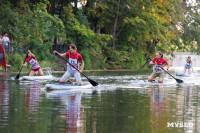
x: 108, y: 33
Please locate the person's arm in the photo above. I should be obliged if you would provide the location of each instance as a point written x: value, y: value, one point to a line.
x: 24, y: 64
x: 63, y: 55
x: 152, y: 63
x: 29, y: 52
x: 167, y: 66
x: 82, y: 66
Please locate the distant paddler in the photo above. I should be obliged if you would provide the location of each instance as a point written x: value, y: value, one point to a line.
x: 188, y: 65
x: 74, y: 58
x: 34, y: 64
x: 157, y: 63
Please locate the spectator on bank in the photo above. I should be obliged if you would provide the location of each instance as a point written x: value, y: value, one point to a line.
x: 5, y: 42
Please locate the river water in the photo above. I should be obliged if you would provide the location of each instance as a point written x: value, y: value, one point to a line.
x: 124, y: 102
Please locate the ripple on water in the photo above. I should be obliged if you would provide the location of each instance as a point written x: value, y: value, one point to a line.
x: 126, y: 102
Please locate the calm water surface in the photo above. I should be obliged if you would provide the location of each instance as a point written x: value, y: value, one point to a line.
x: 123, y: 103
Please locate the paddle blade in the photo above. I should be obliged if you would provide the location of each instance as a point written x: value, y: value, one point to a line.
x: 93, y: 82
x: 17, y: 77
x: 179, y: 80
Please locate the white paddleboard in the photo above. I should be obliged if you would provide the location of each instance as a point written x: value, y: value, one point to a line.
x: 67, y: 86
x: 36, y: 77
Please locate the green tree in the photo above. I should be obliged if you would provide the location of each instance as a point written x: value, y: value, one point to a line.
x: 191, y: 27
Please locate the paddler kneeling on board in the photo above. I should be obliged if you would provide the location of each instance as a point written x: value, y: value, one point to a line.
x: 74, y: 58
x: 158, y: 62
x: 34, y: 64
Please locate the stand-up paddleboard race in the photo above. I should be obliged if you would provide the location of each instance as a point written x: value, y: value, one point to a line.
x: 72, y: 70
x: 110, y: 66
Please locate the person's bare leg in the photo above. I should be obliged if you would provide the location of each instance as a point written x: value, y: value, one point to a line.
x: 40, y: 72
x: 150, y: 78
x: 160, y: 80
x: 31, y: 73
x: 184, y: 70
x: 189, y: 71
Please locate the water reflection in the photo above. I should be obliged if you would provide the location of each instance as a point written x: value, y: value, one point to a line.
x: 32, y: 98
x: 4, y: 103
x: 71, y: 109
x: 24, y: 108
x: 158, y: 107
x: 173, y: 105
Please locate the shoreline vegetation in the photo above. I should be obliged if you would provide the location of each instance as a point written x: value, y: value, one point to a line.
x: 108, y: 34
x: 103, y: 70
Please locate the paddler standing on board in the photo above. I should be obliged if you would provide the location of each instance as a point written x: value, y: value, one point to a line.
x: 157, y: 63
x: 34, y: 64
x: 74, y: 58
x: 188, y: 65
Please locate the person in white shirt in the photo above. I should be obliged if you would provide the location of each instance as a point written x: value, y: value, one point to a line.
x: 5, y: 42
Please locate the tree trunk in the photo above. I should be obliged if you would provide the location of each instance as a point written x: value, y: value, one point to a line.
x: 61, y: 7
x: 50, y: 6
x: 115, y: 26
x: 98, y: 30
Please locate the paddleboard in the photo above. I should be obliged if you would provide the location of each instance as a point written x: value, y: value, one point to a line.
x: 181, y: 74
x: 67, y: 86
x: 36, y: 77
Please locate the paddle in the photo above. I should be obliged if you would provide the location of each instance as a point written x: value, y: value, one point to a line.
x: 177, y: 80
x: 91, y: 81
x: 145, y: 63
x: 193, y: 71
x: 17, y: 77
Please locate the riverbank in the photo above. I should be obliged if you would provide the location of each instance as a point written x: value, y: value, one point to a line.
x: 106, y: 70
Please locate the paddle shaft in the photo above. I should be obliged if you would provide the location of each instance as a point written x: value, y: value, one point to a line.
x: 21, y: 69
x: 23, y: 63
x: 71, y: 65
x: 193, y: 70
x: 163, y: 69
x: 145, y: 63
x: 167, y: 72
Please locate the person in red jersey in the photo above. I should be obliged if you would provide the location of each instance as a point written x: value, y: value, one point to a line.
x: 157, y: 63
x: 34, y: 64
x: 74, y: 58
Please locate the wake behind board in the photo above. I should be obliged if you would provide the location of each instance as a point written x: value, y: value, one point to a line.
x: 181, y: 74
x: 67, y: 86
x: 46, y: 77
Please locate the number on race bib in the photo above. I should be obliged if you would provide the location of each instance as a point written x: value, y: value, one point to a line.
x: 73, y: 62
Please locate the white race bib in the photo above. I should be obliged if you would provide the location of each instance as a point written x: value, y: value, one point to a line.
x: 157, y: 68
x: 34, y: 64
x: 74, y: 62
